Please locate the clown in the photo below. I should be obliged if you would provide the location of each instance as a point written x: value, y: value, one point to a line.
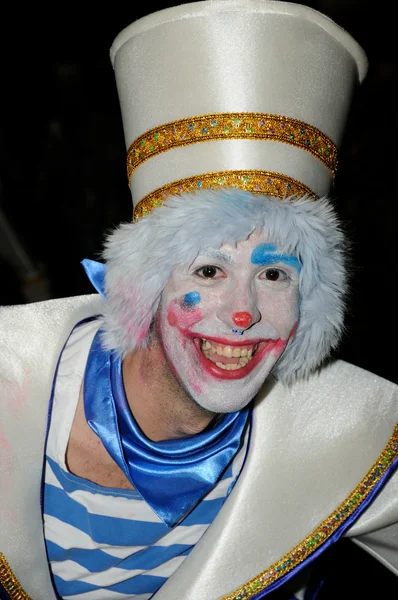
x: 237, y: 271
x: 185, y: 432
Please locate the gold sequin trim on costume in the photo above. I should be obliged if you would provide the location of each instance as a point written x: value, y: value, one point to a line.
x: 9, y: 582
x: 226, y: 126
x: 257, y: 182
x: 325, y: 530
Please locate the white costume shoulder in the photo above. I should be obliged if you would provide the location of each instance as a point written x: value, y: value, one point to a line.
x: 31, y: 339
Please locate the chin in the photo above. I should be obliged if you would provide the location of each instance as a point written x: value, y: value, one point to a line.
x: 228, y: 395
x: 222, y: 407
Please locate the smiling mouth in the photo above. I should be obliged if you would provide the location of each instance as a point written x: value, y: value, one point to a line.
x: 228, y: 358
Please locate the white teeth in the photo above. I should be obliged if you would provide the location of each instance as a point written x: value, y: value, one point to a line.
x: 227, y: 351
x: 230, y: 367
x: 245, y: 355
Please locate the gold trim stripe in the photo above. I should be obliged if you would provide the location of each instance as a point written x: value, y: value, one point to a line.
x: 299, y: 553
x: 325, y: 530
x: 9, y: 582
x: 224, y: 126
x: 257, y: 182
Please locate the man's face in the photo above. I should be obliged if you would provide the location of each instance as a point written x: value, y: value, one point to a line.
x: 251, y: 288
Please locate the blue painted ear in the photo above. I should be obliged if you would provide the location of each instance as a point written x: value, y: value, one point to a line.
x: 95, y: 271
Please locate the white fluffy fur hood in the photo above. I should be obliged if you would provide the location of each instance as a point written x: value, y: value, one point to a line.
x: 141, y: 256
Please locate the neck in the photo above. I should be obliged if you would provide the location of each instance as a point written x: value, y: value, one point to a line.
x: 161, y: 408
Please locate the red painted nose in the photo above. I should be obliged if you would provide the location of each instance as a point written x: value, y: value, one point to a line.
x: 242, y: 319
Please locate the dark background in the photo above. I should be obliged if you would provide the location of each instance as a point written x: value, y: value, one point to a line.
x: 62, y: 160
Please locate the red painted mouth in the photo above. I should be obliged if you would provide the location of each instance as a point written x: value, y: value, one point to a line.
x: 263, y: 348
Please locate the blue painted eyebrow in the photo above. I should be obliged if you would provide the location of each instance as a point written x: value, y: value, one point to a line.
x: 265, y: 248
x: 263, y: 255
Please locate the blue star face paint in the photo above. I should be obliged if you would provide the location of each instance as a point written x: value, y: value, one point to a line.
x: 265, y: 254
x: 191, y: 299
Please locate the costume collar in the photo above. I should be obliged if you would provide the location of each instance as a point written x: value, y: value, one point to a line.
x: 171, y: 475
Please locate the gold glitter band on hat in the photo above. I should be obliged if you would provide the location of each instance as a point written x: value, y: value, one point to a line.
x: 226, y: 126
x: 257, y: 182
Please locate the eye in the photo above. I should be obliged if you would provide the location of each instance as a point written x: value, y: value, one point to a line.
x: 210, y: 272
x: 273, y: 274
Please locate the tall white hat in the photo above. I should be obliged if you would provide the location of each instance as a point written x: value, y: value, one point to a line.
x: 246, y: 93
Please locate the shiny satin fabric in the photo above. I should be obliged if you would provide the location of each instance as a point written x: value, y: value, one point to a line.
x: 95, y: 271
x: 171, y: 475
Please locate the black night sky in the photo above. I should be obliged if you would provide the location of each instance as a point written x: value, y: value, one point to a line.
x: 62, y: 155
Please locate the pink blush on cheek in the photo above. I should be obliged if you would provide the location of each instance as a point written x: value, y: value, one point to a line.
x: 182, y: 318
x: 281, y: 344
x: 279, y: 347
x: 172, y: 317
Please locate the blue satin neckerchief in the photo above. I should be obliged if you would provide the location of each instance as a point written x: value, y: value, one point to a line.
x: 171, y: 475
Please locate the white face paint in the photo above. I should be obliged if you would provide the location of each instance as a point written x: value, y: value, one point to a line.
x: 250, y: 288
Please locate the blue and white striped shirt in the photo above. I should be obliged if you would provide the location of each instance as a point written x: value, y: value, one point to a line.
x: 106, y: 543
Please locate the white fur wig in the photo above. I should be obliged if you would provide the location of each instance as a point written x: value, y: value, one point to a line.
x: 141, y: 256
